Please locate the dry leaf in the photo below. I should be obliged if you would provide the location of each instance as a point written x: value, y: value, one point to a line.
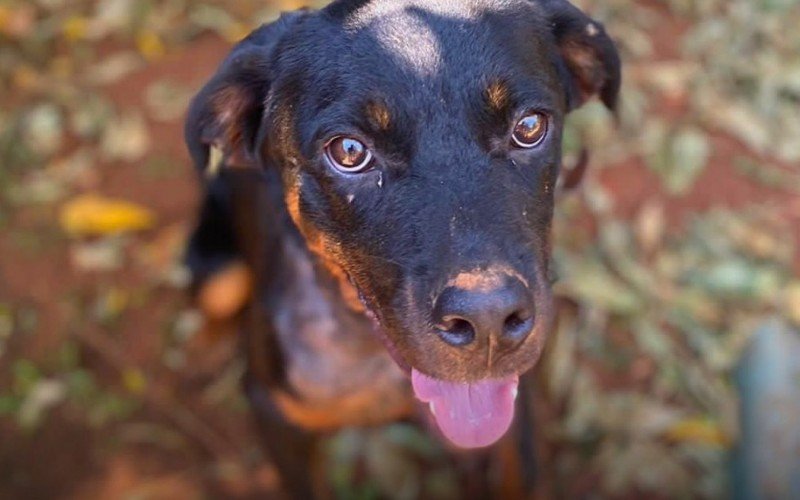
x: 650, y: 226
x: 92, y: 215
x: 44, y: 129
x: 791, y: 302
x: 150, y: 45
x: 103, y: 255
x: 698, y: 430
x: 126, y: 138
x: 134, y: 380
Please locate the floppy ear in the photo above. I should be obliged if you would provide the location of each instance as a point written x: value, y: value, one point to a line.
x: 591, y: 59
x: 228, y: 111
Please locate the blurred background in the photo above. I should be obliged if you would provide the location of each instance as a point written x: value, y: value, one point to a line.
x: 680, y: 244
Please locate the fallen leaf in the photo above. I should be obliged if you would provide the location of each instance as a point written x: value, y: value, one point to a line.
x: 18, y: 21
x: 134, y: 380
x: 102, y: 255
x: 650, y: 225
x: 44, y: 129
x: 126, y: 138
x: 44, y: 395
x: 92, y: 215
x: 75, y: 28
x: 150, y: 45
x: 110, y: 305
x: 698, y: 430
x: 167, y: 101
x: 113, y: 68
x: 685, y: 159
x: 791, y: 302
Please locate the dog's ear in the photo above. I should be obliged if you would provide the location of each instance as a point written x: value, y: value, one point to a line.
x: 590, y: 56
x: 227, y: 113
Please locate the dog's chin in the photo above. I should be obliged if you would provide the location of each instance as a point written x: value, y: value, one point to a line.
x: 469, y: 414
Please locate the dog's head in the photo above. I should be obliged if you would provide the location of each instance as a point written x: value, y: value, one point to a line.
x: 419, y: 144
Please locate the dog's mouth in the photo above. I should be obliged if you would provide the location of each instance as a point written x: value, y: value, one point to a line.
x: 469, y: 414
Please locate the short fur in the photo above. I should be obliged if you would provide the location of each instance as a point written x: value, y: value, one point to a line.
x: 346, y: 267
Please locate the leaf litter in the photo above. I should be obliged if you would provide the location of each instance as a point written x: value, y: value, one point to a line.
x: 640, y: 365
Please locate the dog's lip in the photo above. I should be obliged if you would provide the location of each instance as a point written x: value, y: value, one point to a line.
x: 379, y: 330
x: 387, y: 342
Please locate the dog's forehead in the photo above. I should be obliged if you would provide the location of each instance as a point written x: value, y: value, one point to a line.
x: 378, y: 10
x: 393, y: 61
x: 426, y: 38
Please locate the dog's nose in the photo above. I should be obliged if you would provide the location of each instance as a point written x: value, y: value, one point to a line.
x: 503, y: 312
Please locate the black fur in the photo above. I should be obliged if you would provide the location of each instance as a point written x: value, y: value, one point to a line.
x: 447, y: 193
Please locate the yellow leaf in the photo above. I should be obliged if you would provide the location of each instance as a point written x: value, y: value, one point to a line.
x: 5, y: 15
x: 17, y: 21
x: 698, y: 430
x: 792, y: 302
x: 134, y: 380
x: 92, y: 214
x: 150, y: 45
x: 75, y: 28
x: 25, y: 77
x: 61, y: 67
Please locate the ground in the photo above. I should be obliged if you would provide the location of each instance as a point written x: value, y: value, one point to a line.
x: 680, y: 242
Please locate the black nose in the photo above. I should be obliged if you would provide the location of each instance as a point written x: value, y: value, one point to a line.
x: 504, y: 311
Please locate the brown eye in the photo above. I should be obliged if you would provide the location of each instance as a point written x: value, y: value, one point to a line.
x: 530, y: 131
x: 348, y: 155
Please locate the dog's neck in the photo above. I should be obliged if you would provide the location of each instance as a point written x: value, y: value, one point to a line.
x: 329, y: 345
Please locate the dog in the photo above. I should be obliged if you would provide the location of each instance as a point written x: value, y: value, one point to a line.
x: 385, y: 172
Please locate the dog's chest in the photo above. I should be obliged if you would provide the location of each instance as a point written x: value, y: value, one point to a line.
x: 333, y: 361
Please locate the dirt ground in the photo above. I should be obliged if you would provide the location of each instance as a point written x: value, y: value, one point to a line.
x: 162, y: 417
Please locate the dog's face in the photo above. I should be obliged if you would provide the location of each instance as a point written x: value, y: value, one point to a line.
x: 419, y: 146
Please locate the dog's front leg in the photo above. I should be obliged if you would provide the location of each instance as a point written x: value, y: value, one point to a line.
x: 291, y: 449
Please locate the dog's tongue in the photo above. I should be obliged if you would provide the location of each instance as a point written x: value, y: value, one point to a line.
x: 470, y: 415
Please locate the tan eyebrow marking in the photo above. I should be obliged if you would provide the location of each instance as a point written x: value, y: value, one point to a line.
x: 378, y: 114
x: 497, y: 95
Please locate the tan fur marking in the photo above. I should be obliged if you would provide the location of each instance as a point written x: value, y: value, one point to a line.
x: 484, y: 280
x: 327, y: 250
x: 379, y: 114
x: 226, y: 291
x: 497, y: 95
x: 356, y: 410
x: 292, y: 198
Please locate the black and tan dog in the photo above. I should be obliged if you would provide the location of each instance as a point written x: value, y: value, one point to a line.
x: 385, y: 169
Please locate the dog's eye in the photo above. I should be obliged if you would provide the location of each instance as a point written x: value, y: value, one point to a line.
x: 348, y: 155
x: 530, y: 130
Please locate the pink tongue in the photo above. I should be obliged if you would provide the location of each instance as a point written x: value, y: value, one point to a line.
x: 469, y: 415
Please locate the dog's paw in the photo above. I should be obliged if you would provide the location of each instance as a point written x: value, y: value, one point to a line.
x: 225, y: 292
